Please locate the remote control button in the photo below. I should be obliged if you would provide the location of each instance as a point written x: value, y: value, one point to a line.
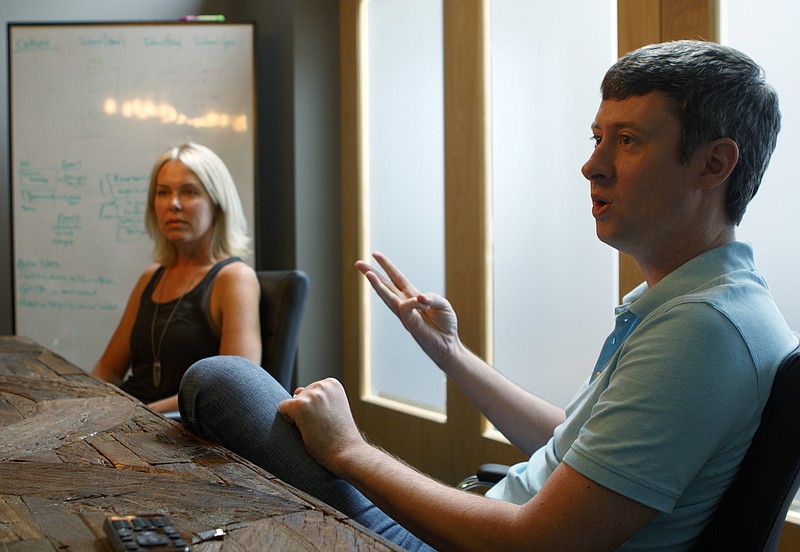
x: 151, y: 538
x: 122, y: 524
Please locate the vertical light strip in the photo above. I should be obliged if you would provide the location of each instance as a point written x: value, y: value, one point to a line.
x: 364, y: 241
x: 486, y: 7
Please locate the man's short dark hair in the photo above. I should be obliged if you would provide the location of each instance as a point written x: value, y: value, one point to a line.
x: 718, y: 92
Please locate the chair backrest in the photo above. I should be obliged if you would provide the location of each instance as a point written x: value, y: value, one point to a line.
x: 751, y: 514
x: 283, y: 299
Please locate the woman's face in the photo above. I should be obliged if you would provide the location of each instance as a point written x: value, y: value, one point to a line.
x: 183, y: 208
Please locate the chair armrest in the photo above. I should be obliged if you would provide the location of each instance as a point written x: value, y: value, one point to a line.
x: 492, y: 473
x: 486, y: 477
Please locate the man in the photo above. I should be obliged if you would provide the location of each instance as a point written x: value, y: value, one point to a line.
x: 642, y: 456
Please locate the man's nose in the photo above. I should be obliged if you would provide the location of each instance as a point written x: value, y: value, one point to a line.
x: 599, y: 165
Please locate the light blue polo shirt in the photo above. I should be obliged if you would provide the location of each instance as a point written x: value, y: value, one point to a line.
x: 669, y: 412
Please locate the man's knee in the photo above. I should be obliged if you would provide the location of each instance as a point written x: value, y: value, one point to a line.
x: 209, y: 378
x: 204, y: 369
x: 217, y: 371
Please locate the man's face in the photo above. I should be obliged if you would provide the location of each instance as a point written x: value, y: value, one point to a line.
x: 644, y: 200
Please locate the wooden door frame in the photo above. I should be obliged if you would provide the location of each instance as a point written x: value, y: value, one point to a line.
x: 452, y: 449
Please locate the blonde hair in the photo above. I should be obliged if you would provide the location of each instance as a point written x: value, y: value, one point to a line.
x: 229, y: 230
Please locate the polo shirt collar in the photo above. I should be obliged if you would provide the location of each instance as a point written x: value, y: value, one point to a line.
x: 690, y: 276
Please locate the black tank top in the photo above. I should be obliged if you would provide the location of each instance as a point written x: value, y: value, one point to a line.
x: 190, y: 336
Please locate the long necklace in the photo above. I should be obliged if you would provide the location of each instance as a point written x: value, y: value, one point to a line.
x: 157, y: 353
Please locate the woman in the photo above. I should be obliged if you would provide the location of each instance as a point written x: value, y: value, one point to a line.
x: 199, y: 299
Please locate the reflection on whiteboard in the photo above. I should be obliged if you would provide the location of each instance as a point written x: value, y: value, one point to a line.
x: 92, y: 106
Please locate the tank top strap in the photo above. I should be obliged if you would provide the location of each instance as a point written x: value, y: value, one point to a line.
x: 211, y: 274
x: 151, y: 285
x: 207, y: 283
x: 203, y: 288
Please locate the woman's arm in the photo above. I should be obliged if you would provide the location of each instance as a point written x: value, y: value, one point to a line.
x: 116, y: 359
x: 165, y: 405
x: 235, y: 309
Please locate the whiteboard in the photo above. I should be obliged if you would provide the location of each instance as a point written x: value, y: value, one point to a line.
x: 91, y: 107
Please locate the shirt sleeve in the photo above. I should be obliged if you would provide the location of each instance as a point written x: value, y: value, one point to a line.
x: 674, y: 409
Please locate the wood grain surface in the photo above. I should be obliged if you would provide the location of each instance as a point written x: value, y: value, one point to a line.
x: 74, y: 450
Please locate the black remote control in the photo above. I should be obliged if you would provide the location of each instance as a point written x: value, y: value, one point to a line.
x: 151, y: 533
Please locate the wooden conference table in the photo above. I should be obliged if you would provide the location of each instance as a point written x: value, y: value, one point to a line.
x: 74, y: 450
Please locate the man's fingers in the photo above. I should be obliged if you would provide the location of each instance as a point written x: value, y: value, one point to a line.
x: 398, y: 278
x: 286, y: 409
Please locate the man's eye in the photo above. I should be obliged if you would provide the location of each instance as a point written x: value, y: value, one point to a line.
x: 625, y: 140
x: 596, y: 139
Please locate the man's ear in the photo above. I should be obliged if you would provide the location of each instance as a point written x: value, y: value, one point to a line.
x: 722, y: 155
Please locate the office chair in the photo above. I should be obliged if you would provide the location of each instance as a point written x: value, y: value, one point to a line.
x: 283, y: 300
x: 487, y: 476
x: 752, y: 511
x: 751, y: 514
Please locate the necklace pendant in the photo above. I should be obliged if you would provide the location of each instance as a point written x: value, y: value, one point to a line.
x: 156, y: 373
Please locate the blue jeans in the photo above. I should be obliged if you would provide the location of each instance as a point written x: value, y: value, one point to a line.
x: 234, y: 402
